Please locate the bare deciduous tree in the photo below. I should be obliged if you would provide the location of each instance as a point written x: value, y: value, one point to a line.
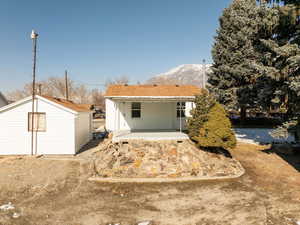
x: 97, y: 98
x: 118, y: 80
x: 55, y: 86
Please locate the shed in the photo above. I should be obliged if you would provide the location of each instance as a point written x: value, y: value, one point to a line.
x: 60, y: 127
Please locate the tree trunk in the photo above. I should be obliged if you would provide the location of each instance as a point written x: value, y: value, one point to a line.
x: 243, y: 115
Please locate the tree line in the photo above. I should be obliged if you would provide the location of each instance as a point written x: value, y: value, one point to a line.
x: 56, y: 87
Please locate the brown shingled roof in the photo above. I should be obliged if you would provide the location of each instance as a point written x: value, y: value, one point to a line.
x: 152, y: 90
x: 67, y: 103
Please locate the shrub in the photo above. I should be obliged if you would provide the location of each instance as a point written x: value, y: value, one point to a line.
x: 209, y: 125
x: 204, y: 103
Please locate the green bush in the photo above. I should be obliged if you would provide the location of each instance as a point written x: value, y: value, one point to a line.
x: 204, y: 103
x: 209, y: 126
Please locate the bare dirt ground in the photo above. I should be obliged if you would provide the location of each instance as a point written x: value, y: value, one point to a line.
x: 53, y: 191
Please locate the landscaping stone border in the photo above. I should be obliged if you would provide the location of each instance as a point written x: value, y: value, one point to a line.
x: 166, y: 180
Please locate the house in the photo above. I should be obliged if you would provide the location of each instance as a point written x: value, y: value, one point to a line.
x: 148, y: 111
x: 60, y: 127
x: 3, y: 100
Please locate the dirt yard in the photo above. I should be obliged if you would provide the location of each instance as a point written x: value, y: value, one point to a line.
x: 53, y: 191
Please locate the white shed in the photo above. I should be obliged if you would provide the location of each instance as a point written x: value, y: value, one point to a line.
x: 3, y: 100
x: 60, y: 127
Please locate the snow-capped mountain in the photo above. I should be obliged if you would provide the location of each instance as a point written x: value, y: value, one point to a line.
x: 184, y: 74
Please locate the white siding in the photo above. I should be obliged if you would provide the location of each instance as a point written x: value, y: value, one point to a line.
x: 83, y: 129
x: 59, y: 137
x: 110, y: 115
x: 154, y: 116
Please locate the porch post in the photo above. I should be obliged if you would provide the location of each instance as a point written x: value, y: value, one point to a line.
x: 180, y: 104
x: 115, y: 117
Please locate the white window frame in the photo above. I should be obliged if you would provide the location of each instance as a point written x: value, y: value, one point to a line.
x: 180, y: 106
x: 37, y: 116
x: 138, y: 109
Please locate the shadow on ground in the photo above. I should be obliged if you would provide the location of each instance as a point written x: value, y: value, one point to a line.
x: 292, y: 157
x: 92, y: 144
x: 219, y: 151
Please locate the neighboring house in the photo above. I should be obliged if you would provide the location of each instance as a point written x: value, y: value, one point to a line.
x: 149, y: 107
x: 60, y: 127
x: 3, y: 100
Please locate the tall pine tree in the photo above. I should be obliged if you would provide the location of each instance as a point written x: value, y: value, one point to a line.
x: 279, y: 83
x: 279, y: 68
x: 233, y: 78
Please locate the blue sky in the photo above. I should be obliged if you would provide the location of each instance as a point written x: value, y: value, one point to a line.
x: 100, y: 39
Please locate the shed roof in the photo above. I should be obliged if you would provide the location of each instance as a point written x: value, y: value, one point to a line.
x: 152, y: 90
x: 68, y: 104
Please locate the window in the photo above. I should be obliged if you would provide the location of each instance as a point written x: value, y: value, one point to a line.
x: 136, y: 110
x: 180, y: 109
x: 39, y: 122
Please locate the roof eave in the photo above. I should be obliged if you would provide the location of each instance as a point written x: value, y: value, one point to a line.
x: 15, y: 104
x: 157, y: 98
x: 58, y: 105
x: 29, y: 98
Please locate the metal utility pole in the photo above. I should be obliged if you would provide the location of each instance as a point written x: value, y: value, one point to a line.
x: 204, y: 75
x: 34, y: 41
x: 67, y: 86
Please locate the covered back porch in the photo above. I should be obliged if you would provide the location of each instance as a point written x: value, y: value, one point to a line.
x: 149, y: 118
x: 147, y: 113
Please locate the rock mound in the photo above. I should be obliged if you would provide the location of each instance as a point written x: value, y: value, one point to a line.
x: 143, y: 159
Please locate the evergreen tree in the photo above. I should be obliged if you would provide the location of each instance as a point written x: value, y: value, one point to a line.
x: 279, y: 83
x: 233, y: 78
x: 279, y: 68
x: 216, y: 132
x: 204, y: 103
x: 280, y: 77
x: 209, y: 126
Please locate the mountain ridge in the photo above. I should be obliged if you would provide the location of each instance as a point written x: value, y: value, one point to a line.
x: 195, y: 74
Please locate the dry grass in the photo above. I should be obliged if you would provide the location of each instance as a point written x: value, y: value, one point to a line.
x: 268, y: 170
x: 47, y: 192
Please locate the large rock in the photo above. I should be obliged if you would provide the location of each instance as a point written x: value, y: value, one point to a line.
x: 161, y: 159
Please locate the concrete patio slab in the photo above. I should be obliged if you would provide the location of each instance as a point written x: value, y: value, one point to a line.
x: 149, y: 136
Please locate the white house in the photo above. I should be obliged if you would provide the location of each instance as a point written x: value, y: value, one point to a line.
x: 149, y: 108
x: 60, y: 127
x: 3, y: 100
